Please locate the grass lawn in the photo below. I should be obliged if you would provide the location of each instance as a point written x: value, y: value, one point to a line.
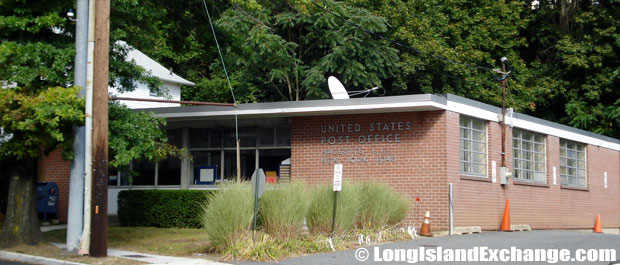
x: 161, y: 241
x: 48, y: 250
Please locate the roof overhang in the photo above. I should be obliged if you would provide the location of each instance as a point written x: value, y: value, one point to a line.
x: 409, y: 103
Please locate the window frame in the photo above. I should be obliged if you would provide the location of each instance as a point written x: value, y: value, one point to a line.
x: 471, y: 128
x: 564, y: 177
x: 533, y: 151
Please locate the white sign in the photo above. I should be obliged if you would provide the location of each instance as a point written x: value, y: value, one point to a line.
x: 337, y: 177
x: 207, y: 175
x: 493, y: 171
x: 605, y: 179
x: 555, y: 176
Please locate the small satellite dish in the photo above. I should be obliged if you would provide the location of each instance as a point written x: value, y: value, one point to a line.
x: 339, y: 92
x: 336, y: 88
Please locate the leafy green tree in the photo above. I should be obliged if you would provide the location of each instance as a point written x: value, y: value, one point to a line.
x: 283, y: 50
x: 38, y: 108
x: 576, y: 44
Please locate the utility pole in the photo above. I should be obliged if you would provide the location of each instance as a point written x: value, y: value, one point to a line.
x: 504, y: 61
x: 99, y: 209
x: 76, y: 186
x: 88, y: 126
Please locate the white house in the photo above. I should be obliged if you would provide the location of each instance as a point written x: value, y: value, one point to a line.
x: 171, y: 83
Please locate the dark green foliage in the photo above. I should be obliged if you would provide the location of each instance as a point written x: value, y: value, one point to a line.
x: 161, y: 208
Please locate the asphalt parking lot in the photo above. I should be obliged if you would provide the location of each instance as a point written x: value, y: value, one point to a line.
x: 575, y: 244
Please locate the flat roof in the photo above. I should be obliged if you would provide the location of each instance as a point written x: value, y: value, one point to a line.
x: 407, y: 103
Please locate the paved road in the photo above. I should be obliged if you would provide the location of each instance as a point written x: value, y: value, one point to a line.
x: 570, y: 240
x: 6, y: 262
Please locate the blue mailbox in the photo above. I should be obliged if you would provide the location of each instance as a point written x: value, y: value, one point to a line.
x: 47, y: 199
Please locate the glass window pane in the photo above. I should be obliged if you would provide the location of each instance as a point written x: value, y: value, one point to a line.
x: 517, y: 163
x: 479, y: 169
x: 478, y: 136
x: 581, y: 155
x: 539, y: 158
x: 478, y: 124
x: 169, y: 172
x: 143, y: 173
x: 267, y: 136
x: 479, y: 147
x: 174, y: 137
x: 464, y: 121
x: 216, y: 138
x: 465, y: 133
x: 479, y: 158
x: 248, y: 164
x: 206, y: 158
x: 539, y: 148
x: 538, y: 176
x: 540, y: 167
x: 538, y: 138
x: 199, y: 138
x: 562, y: 152
x: 283, y: 136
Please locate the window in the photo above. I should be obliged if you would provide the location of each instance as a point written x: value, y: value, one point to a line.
x: 572, y: 163
x: 473, y: 146
x: 528, y: 151
x: 152, y: 92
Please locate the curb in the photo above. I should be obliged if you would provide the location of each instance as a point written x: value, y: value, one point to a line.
x: 34, y: 259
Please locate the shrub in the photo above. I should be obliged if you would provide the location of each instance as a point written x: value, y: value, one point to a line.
x: 319, y: 217
x: 228, y: 214
x: 283, y: 210
x: 161, y: 208
x: 381, y: 206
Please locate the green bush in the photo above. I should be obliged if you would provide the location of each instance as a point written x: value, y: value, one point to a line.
x: 161, y: 208
x: 228, y: 214
x: 381, y: 206
x: 319, y: 217
x: 283, y: 210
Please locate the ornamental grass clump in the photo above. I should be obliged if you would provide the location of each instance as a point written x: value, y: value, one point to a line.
x: 381, y: 206
x: 228, y: 214
x: 283, y: 209
x: 319, y: 217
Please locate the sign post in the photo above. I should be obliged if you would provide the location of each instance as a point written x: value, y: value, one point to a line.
x: 337, y: 188
x: 258, y: 181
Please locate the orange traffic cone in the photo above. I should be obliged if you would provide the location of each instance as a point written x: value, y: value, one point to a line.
x: 597, y: 224
x: 506, y: 220
x: 425, y: 230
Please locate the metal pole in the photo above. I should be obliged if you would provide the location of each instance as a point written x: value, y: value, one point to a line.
x: 451, y: 210
x: 76, y: 186
x: 99, y: 221
x: 334, y: 215
x: 88, y: 124
x: 256, y: 181
x: 238, y: 161
x: 503, y: 116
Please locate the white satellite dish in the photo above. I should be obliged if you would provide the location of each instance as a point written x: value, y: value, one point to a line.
x: 336, y: 88
x: 339, y: 92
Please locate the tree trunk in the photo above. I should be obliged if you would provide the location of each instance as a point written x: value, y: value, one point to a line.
x: 21, y: 223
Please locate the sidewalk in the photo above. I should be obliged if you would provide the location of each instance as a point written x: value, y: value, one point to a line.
x: 153, y: 259
x: 147, y: 258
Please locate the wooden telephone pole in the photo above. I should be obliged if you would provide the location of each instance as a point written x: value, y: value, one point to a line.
x: 99, y: 208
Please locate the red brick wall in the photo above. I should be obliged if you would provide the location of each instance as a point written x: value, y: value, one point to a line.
x: 419, y: 170
x: 427, y: 159
x: 55, y: 169
x: 481, y: 203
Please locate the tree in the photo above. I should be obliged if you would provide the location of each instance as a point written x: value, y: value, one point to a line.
x: 38, y: 109
x: 283, y: 50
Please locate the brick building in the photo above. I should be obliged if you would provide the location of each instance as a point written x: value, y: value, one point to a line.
x: 419, y: 144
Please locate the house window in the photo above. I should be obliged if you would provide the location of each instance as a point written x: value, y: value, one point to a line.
x: 473, y: 146
x: 528, y: 151
x: 152, y: 92
x: 572, y: 163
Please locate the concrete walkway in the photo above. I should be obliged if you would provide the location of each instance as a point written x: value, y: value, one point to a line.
x: 153, y: 259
